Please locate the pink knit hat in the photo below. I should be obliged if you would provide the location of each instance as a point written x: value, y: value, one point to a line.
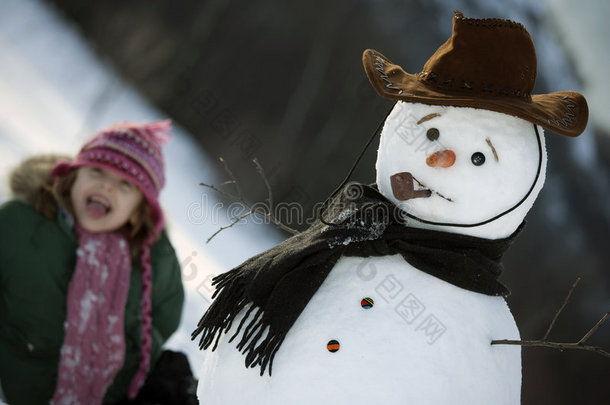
x: 132, y: 150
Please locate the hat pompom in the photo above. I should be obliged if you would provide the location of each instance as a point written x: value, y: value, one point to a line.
x: 160, y: 130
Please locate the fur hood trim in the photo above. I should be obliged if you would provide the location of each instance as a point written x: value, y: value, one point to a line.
x: 32, y: 175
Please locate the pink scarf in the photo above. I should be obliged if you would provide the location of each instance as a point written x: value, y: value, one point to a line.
x: 93, y: 350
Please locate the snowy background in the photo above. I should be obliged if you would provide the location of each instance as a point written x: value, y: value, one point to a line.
x: 56, y: 89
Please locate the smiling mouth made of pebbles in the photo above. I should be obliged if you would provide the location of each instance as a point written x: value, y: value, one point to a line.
x: 403, y: 187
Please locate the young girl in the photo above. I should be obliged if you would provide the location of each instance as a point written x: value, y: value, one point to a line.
x: 90, y: 286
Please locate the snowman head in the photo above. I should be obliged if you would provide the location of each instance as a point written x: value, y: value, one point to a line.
x: 463, y: 148
x: 460, y: 169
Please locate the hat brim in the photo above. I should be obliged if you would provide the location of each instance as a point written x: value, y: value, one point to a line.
x: 563, y: 112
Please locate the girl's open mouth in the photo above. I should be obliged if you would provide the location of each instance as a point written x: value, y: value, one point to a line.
x: 97, y: 206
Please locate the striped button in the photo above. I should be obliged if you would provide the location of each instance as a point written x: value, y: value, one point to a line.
x: 333, y: 346
x: 367, y: 303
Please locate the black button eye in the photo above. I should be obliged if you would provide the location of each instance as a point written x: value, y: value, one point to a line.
x: 432, y: 134
x: 477, y: 158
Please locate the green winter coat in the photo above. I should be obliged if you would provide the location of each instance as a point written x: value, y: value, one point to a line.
x: 37, y: 259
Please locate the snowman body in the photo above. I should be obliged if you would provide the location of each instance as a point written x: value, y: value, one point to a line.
x: 378, y: 329
x: 423, y: 341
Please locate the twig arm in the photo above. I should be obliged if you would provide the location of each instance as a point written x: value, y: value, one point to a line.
x: 276, y: 221
x: 233, y: 179
x: 260, y: 171
x: 266, y: 213
x: 219, y: 191
x: 580, y: 345
x: 554, y: 345
x: 565, y: 302
x: 593, y: 329
x: 222, y: 228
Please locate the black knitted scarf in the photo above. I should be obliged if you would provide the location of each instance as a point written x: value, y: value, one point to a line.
x: 274, y: 287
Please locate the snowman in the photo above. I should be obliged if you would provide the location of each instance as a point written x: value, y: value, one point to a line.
x: 393, y: 297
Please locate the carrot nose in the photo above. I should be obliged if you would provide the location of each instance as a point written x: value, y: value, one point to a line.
x: 442, y: 158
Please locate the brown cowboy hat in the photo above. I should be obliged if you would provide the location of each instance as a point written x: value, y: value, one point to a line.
x: 487, y: 63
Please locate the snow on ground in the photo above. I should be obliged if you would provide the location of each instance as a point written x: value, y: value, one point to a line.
x: 55, y: 92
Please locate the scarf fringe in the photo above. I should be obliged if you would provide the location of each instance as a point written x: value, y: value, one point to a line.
x: 231, y: 293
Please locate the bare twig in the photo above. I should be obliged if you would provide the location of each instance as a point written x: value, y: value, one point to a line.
x: 219, y: 191
x: 233, y: 179
x: 594, y: 329
x: 268, y: 214
x: 262, y: 173
x: 580, y: 345
x: 554, y: 345
x: 565, y: 302
x: 277, y: 222
x: 235, y: 220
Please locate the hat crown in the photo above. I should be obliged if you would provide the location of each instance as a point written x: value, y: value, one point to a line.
x: 488, y: 64
x: 491, y: 56
x: 139, y: 143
